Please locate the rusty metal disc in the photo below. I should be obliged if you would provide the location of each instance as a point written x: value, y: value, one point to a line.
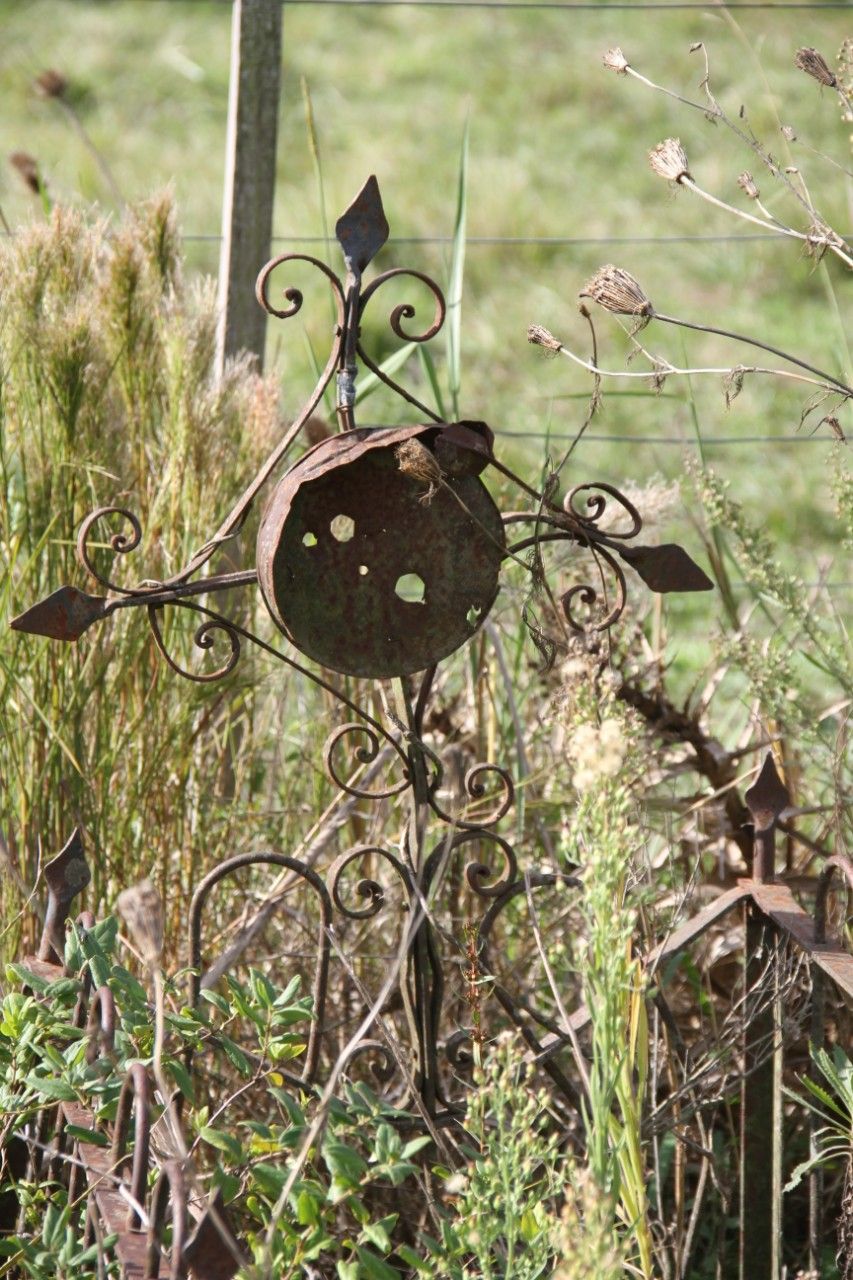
x: 370, y: 570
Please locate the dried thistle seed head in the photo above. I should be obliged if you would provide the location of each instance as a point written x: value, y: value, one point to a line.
x: 416, y: 461
x: 816, y: 66
x: 747, y: 184
x: 788, y: 133
x: 669, y: 160
x: 541, y: 337
x: 615, y: 60
x: 27, y: 168
x: 617, y: 291
x: 142, y: 910
x: 50, y: 84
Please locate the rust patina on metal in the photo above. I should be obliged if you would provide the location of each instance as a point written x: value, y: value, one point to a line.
x: 366, y: 571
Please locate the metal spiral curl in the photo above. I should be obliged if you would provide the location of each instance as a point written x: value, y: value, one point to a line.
x: 121, y: 543
x: 295, y: 296
x: 405, y: 310
x: 587, y: 594
x: 364, y: 755
x: 382, y: 1071
x: 475, y: 790
x: 477, y: 874
x: 597, y: 506
x: 204, y: 638
x: 372, y: 890
x: 460, y: 1058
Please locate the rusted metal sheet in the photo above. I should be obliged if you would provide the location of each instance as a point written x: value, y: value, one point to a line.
x: 367, y: 571
x: 777, y: 902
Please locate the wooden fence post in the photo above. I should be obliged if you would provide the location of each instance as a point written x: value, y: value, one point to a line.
x: 250, y: 155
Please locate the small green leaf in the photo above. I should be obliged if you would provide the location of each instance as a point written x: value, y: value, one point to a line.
x: 374, y: 1267
x: 223, y: 1142
x: 50, y: 1087
x: 218, y: 1001
x: 93, y: 1137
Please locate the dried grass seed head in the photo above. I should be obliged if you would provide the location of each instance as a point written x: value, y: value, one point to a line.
x: 816, y: 66
x: 26, y: 166
x: 51, y: 84
x: 616, y: 290
x: 669, y: 160
x: 746, y: 182
x: 615, y: 60
x: 541, y: 337
x: 142, y: 910
x: 417, y: 462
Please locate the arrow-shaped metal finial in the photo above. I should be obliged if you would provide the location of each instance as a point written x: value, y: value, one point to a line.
x: 768, y: 796
x: 363, y: 228
x: 66, y: 875
x: 63, y: 615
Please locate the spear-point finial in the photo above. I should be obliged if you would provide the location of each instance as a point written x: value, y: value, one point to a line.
x: 63, y: 615
x: 768, y: 796
x: 66, y: 875
x: 363, y: 228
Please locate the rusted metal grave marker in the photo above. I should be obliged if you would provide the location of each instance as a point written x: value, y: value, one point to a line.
x: 378, y: 556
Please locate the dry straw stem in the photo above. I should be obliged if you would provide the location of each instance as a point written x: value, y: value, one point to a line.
x: 615, y: 60
x: 617, y: 291
x: 669, y: 160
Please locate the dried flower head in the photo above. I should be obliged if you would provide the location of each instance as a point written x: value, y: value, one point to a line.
x: 316, y: 429
x: 669, y: 160
x: 788, y: 133
x: 543, y: 338
x: 616, y: 290
x: 615, y: 60
x: 51, y: 84
x: 746, y: 182
x: 142, y: 909
x: 28, y: 169
x: 816, y: 66
x: 416, y: 461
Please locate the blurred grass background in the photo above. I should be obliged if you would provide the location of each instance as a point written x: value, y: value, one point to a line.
x: 557, y: 149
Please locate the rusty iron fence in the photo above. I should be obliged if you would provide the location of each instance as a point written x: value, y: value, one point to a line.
x: 379, y: 554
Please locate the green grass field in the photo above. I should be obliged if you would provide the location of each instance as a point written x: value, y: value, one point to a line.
x: 558, y: 149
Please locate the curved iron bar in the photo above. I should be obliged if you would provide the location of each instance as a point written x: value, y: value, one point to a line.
x: 404, y: 311
x: 597, y: 507
x: 584, y: 591
x: 366, y: 888
x: 477, y: 874
x: 135, y: 1098
x: 234, y: 521
x: 170, y: 1190
x: 364, y: 755
x: 844, y: 866
x: 121, y: 543
x: 101, y: 1023
x: 204, y: 638
x: 520, y: 1012
x: 382, y: 1073
x: 226, y: 624
x: 475, y: 790
x: 587, y: 594
x: 321, y: 972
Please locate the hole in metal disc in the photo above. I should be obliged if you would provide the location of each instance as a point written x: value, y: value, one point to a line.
x: 411, y: 588
x: 342, y: 528
x: 472, y: 617
x: 363, y: 570
x: 310, y: 540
